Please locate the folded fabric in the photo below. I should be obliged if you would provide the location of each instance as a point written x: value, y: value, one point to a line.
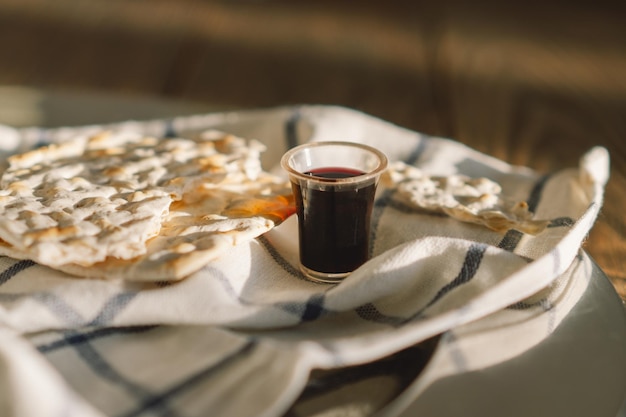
x: 240, y: 336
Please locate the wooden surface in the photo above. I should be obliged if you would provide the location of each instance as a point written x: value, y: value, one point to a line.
x: 534, y: 84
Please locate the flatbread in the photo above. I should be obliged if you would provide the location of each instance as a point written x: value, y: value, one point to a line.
x: 120, y: 205
x: 203, y: 225
x: 473, y: 200
x: 60, y: 204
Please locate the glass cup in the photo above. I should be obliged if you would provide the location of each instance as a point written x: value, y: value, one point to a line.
x: 334, y: 184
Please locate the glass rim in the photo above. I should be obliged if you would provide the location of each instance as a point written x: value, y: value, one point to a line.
x: 382, y: 164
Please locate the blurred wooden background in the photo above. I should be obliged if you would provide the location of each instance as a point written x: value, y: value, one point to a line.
x: 535, y: 83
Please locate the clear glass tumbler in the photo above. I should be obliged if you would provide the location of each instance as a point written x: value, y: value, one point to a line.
x: 334, y: 184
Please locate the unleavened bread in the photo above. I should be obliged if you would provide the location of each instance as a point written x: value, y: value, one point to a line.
x: 471, y: 200
x: 121, y: 205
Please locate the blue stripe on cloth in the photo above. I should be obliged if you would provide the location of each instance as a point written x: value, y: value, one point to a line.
x: 15, y: 269
x: 535, y: 194
x: 314, y: 308
x: 170, y: 130
x: 370, y: 312
x: 414, y: 156
x: 311, y: 310
x: 112, y: 308
x: 43, y: 138
x: 544, y: 303
x: 156, y: 402
x: 73, y: 338
x: 60, y: 308
x: 456, y: 355
x: 68, y: 314
x: 226, y: 284
x: 510, y: 240
x: 279, y: 259
x: 546, y: 306
x: 513, y: 237
x: 471, y: 264
x: 291, y: 129
x: 562, y: 222
x: 103, y: 369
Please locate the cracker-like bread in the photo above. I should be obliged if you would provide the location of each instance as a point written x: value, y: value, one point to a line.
x: 100, y: 199
x: 208, y: 221
x: 472, y: 200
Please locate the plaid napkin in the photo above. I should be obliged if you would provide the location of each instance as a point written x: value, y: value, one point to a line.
x: 241, y: 336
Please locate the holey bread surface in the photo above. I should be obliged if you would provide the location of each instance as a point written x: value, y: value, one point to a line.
x: 471, y: 200
x: 121, y: 205
x: 207, y: 221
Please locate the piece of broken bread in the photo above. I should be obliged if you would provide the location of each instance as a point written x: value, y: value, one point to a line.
x: 473, y: 200
x: 121, y: 205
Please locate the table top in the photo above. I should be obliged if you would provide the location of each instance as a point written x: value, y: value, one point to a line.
x: 532, y: 84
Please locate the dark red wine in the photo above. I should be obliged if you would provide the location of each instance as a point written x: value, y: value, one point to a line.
x: 334, y: 223
x: 334, y: 172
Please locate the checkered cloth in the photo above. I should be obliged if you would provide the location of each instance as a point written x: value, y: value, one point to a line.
x: 241, y: 336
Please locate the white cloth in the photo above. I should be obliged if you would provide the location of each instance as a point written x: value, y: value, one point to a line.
x: 240, y: 336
